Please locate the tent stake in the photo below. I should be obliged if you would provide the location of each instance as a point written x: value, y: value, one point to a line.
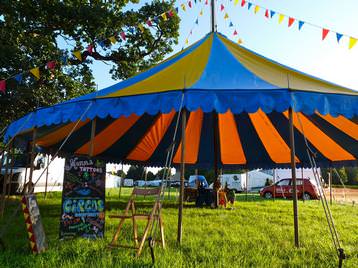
x: 293, y: 170
x: 182, y: 177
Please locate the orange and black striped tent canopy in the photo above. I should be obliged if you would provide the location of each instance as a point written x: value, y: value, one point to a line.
x: 228, y: 91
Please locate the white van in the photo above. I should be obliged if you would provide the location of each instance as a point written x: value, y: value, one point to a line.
x: 233, y: 181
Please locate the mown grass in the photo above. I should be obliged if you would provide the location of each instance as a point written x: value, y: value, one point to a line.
x: 256, y: 233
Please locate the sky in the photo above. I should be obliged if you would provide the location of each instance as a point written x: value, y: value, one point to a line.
x: 302, y: 50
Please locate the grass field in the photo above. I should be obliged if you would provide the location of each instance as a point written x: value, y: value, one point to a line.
x: 257, y: 233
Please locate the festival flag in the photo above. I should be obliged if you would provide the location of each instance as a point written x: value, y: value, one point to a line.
x: 222, y: 7
x: 324, y: 33
x: 183, y: 7
x: 170, y: 13
x: 236, y: 2
x: 123, y: 36
x: 206, y: 2
x: 164, y: 16
x: 149, y: 23
x: 235, y: 33
x: 231, y: 24
x: 249, y: 5
x: 51, y: 65
x: 243, y: 2
x: 290, y: 21
x: 177, y: 10
x: 300, y: 24
x: 36, y: 72
x: 77, y: 54
x: 156, y: 20
x: 90, y: 49
x: 239, y: 41
x: 113, y: 40
x: 201, y: 13
x: 257, y: 8
x: 267, y: 13
x: 226, y: 16
x: 3, y: 86
x: 272, y: 13
x: 141, y: 28
x: 189, y: 4
x: 186, y: 41
x: 18, y: 78
x: 64, y: 60
x: 197, y: 21
x: 280, y: 18
x: 339, y: 36
x: 352, y: 42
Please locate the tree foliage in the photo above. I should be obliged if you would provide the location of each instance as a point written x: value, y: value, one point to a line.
x: 32, y: 32
x: 135, y: 173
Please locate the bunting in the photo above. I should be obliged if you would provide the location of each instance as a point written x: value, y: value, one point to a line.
x: 35, y: 72
x: 352, y: 42
x: 300, y: 24
x: 324, y: 33
x: 290, y: 21
x: 257, y: 8
x: 77, y: 54
x: 3, y: 86
x: 280, y: 18
x: 243, y: 2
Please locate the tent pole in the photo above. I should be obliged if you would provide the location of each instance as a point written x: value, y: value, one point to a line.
x: 246, y: 182
x: 182, y: 177
x: 30, y: 187
x: 216, y: 136
x: 213, y: 19
x: 48, y: 161
x: 93, y: 133
x: 2, y: 208
x: 330, y: 185
x: 294, y: 182
x: 12, y: 154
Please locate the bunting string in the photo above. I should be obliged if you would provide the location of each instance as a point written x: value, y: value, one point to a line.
x: 80, y: 55
x: 271, y: 14
x: 232, y: 28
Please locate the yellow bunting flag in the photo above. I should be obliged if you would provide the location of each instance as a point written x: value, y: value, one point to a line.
x: 141, y: 28
x: 77, y: 54
x: 186, y: 41
x: 280, y: 18
x: 236, y: 2
x: 239, y: 41
x: 201, y: 13
x: 36, y: 72
x: 164, y: 16
x: 352, y: 42
x: 257, y: 8
x: 226, y: 16
x: 113, y: 39
x: 183, y: 7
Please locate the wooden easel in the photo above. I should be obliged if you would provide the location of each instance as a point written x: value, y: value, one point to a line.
x: 130, y: 213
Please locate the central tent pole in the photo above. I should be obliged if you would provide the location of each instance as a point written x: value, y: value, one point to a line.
x: 293, y: 170
x: 182, y: 177
x: 213, y: 19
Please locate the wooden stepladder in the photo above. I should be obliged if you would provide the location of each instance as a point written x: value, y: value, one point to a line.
x: 130, y: 213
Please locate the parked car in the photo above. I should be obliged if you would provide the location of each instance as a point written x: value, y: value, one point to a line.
x: 283, y: 188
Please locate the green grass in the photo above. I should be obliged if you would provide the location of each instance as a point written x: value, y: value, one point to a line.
x: 257, y: 233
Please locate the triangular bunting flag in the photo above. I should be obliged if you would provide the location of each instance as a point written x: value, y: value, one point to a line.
x: 267, y: 13
x: 51, y: 65
x: 170, y: 14
x: 249, y: 5
x: 352, y: 42
x: 236, y: 2
x: 3, y: 86
x: 257, y: 8
x: 141, y: 28
x: 177, y: 10
x: 290, y: 21
x: 300, y: 24
x: 28, y: 220
x: 231, y: 24
x: 149, y: 23
x: 239, y: 41
x: 32, y: 238
x: 339, y: 36
x: 18, y: 78
x: 226, y: 16
x: 123, y: 36
x: 32, y: 245
x: 206, y: 2
x: 36, y: 72
x: 90, y: 49
x: 324, y: 33
x: 77, y: 54
x: 189, y: 4
x: 243, y: 2
x: 222, y: 7
x: 186, y: 41
x: 235, y: 33
x: 272, y: 13
x: 28, y: 225
x: 196, y: 21
x: 113, y: 39
x: 280, y: 18
x: 164, y: 16
x: 156, y: 20
x: 102, y: 44
x: 201, y: 13
x: 183, y: 7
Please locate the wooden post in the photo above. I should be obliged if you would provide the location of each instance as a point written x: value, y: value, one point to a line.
x: 274, y: 184
x: 120, y: 184
x: 11, y: 172
x: 330, y: 185
x: 2, y: 208
x: 303, y: 185
x: 216, y: 143
x: 246, y: 182
x: 32, y: 159
x: 182, y: 177
x: 93, y: 134
x: 294, y: 182
x: 48, y: 167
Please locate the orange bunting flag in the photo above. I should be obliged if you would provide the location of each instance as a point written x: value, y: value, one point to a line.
x: 77, y: 54
x: 280, y: 18
x: 239, y: 41
x: 324, y: 33
x: 113, y: 39
x: 36, y: 72
x: 352, y: 42
x: 164, y: 16
x: 141, y: 28
x: 290, y: 21
x: 183, y: 7
x: 257, y: 8
x: 226, y: 16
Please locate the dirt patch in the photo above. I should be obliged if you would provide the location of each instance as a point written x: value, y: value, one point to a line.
x: 343, y: 195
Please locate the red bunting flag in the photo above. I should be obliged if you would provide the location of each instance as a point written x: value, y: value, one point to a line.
x: 290, y: 21
x: 51, y: 65
x: 189, y: 4
x: 235, y: 33
x: 267, y: 13
x: 149, y: 23
x: 170, y: 13
x: 90, y: 49
x: 123, y: 35
x: 324, y: 33
x: 206, y: 2
x: 3, y: 86
x: 222, y: 7
x: 243, y: 2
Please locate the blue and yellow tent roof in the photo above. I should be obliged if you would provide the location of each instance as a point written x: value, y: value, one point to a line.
x: 136, y: 117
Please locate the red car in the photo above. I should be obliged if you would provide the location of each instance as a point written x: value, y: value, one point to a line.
x: 283, y: 188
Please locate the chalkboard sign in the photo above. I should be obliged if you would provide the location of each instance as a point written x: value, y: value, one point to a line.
x: 83, y: 198
x: 33, y: 223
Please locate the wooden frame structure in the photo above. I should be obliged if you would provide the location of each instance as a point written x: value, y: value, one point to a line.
x: 130, y: 214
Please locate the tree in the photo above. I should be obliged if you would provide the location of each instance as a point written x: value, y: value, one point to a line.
x: 352, y: 175
x: 121, y: 173
x: 161, y: 172
x: 150, y: 176
x: 35, y: 32
x: 135, y: 173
